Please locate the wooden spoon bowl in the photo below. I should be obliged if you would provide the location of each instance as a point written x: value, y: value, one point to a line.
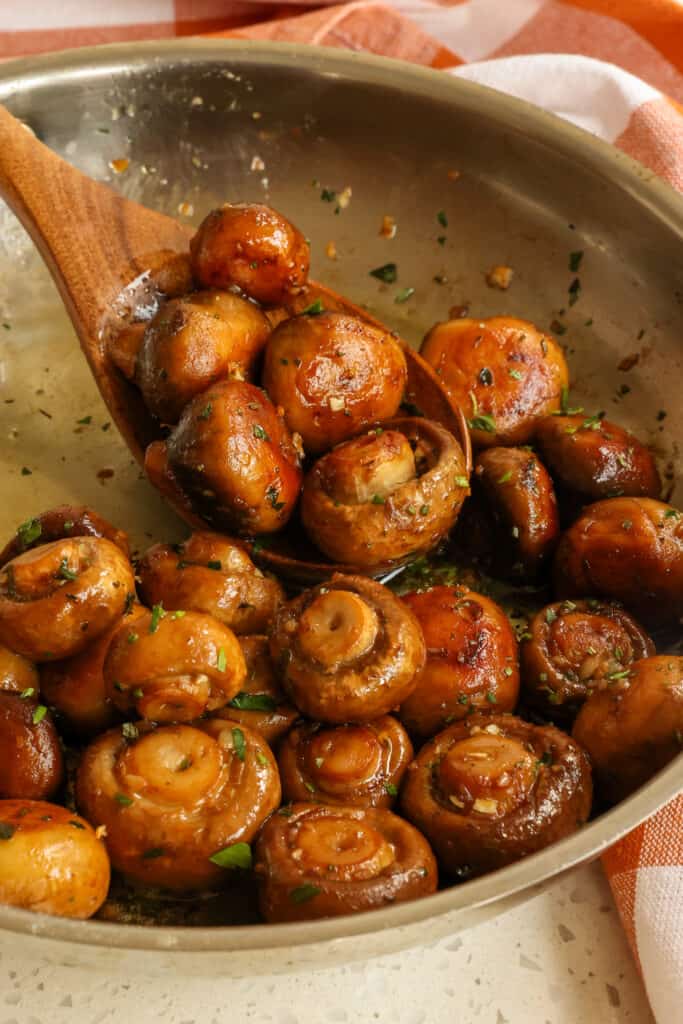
x: 114, y: 262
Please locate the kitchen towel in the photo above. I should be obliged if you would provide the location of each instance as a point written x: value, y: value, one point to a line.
x: 613, y: 67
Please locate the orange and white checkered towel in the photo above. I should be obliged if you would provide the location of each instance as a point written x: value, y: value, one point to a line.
x: 614, y: 67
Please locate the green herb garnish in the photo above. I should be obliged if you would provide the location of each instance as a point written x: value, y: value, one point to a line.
x: 235, y: 857
x: 253, y: 702
x: 29, y: 532
x: 314, y: 309
x: 303, y: 893
x: 158, y: 613
x: 239, y: 743
x: 387, y: 273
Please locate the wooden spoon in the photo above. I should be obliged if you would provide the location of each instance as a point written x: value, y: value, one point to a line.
x: 112, y: 261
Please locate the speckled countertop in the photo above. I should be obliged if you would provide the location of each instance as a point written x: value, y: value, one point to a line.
x: 560, y: 958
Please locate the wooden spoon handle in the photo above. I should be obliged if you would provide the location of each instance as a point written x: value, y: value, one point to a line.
x: 92, y: 239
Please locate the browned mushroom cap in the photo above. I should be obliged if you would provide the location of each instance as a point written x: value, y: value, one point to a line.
x: 387, y: 495
x: 505, y: 372
x: 349, y: 650
x: 65, y: 521
x: 17, y: 674
x: 491, y: 789
x: 511, y: 522
x: 360, y: 765
x: 471, y: 659
x: 175, y: 797
x: 193, y: 342
x: 317, y: 861
x: 251, y: 246
x: 172, y: 667
x: 575, y: 647
x: 210, y: 573
x: 31, y: 766
x: 334, y: 375
x: 634, y: 727
x: 261, y: 703
x: 627, y: 549
x: 235, y: 459
x: 75, y: 688
x: 593, y: 458
x: 51, y: 861
x: 56, y: 598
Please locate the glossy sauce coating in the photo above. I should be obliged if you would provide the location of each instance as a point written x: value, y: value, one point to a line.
x: 75, y: 688
x: 193, y: 342
x: 391, y: 493
x: 251, y: 246
x: 17, y: 673
x: 574, y: 648
x: 31, y: 762
x: 593, y: 458
x: 512, y: 520
x: 317, y: 861
x: 235, y: 459
x: 261, y: 703
x: 56, y: 598
x: 359, y: 765
x: 51, y: 861
x: 334, y: 375
x: 174, y: 666
x: 491, y: 789
x: 348, y: 650
x: 635, y: 727
x: 173, y: 797
x: 471, y: 659
x: 629, y: 550
x: 209, y: 573
x: 504, y: 373
x: 64, y: 521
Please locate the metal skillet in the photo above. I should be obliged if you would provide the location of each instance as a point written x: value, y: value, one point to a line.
x: 201, y: 121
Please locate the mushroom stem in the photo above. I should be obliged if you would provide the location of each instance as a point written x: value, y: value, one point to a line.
x: 337, y: 627
x: 490, y: 774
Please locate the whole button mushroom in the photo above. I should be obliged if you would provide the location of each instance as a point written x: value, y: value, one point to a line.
x: 252, y: 246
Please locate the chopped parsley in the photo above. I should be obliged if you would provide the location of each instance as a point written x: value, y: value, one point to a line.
x: 238, y: 856
x: 387, y: 273
x: 482, y: 421
x: 253, y: 702
x: 442, y: 218
x: 404, y: 294
x: 314, y: 309
x: 206, y: 412
x: 64, y: 572
x: 29, y: 532
x: 221, y: 661
x: 304, y: 893
x: 39, y: 714
x: 575, y: 260
x: 6, y: 830
x: 158, y: 614
x: 391, y: 788
x: 259, y: 432
x: 122, y: 799
x: 239, y: 743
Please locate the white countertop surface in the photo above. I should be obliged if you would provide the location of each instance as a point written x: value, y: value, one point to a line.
x: 560, y: 958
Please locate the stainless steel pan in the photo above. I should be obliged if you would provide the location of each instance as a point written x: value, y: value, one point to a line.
x: 202, y: 121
